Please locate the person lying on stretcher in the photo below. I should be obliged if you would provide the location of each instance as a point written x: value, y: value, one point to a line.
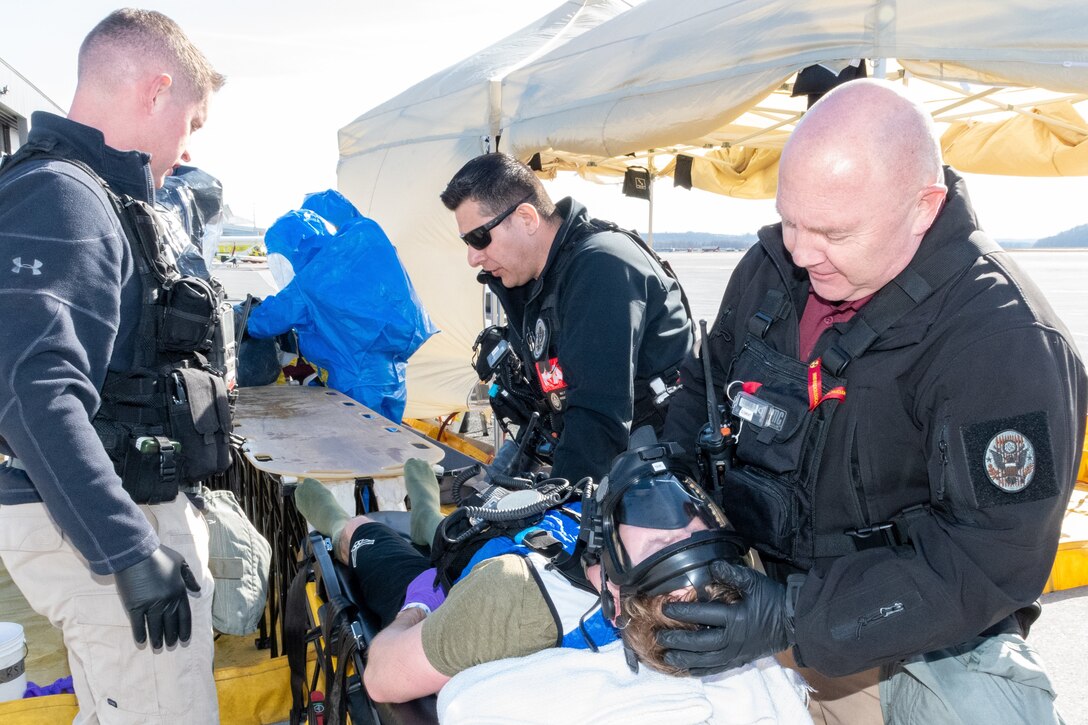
x: 649, y: 537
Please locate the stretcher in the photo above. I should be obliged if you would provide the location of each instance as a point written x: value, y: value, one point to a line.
x: 327, y: 633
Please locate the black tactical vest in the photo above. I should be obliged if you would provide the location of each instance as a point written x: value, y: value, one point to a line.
x: 165, y: 422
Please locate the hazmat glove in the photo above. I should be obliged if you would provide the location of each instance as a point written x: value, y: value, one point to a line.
x: 153, y: 590
x: 731, y: 634
x: 424, y: 592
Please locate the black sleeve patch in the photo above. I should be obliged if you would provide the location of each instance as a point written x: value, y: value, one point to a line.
x: 1009, y: 459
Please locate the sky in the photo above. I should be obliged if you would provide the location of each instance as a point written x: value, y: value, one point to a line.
x: 299, y: 71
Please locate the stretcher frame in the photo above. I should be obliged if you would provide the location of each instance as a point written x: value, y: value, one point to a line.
x: 334, y: 611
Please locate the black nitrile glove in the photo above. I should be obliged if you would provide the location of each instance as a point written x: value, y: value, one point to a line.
x: 154, y: 590
x: 732, y: 634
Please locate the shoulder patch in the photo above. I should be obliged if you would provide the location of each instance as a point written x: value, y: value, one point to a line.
x: 1009, y: 459
x: 538, y: 339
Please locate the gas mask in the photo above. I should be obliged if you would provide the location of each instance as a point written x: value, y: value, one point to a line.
x: 652, y: 531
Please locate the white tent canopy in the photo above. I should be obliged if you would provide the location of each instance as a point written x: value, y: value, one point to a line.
x: 595, y: 86
x: 690, y: 69
x: 397, y: 158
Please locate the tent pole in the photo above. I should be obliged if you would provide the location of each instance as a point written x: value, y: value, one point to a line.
x: 650, y: 189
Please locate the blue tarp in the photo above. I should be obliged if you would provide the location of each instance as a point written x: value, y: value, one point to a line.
x: 351, y: 302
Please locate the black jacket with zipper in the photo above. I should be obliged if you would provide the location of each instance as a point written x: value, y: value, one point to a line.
x: 984, y: 354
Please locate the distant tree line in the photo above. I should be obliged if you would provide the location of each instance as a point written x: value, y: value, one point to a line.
x: 701, y: 241
x: 1076, y: 237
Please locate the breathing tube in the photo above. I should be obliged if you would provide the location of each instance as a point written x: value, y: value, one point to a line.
x: 553, y: 492
x: 508, y: 511
x: 460, y: 479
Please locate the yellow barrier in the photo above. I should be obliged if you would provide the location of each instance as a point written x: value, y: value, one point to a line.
x: 255, y: 695
x: 474, y: 449
x: 1082, y: 475
x: 1070, y: 568
x: 48, y: 710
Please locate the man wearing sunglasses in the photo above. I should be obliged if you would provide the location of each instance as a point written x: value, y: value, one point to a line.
x: 593, y: 315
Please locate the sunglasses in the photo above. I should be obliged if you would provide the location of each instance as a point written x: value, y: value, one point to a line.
x: 480, y: 237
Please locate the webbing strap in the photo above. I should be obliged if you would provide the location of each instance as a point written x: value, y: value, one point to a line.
x: 773, y: 307
x: 893, y: 532
x: 295, y: 630
x: 832, y: 545
x: 343, y: 641
x: 904, y: 293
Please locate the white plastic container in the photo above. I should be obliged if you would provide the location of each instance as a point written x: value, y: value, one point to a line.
x: 12, y: 661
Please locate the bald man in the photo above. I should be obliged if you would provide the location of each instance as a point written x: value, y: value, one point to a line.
x: 92, y: 527
x: 908, y: 413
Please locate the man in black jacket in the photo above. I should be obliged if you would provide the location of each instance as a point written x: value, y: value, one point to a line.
x: 104, y: 568
x: 592, y: 315
x: 908, y: 414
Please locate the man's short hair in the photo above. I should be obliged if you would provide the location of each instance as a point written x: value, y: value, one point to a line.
x: 150, y: 35
x: 496, y: 182
x: 645, y: 619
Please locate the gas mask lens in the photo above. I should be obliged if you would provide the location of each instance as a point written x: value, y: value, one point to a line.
x: 654, y: 513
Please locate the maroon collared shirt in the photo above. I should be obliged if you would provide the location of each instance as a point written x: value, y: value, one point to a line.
x: 820, y: 314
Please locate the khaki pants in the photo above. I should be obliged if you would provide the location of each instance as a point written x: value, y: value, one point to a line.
x: 116, y: 681
x: 850, y: 700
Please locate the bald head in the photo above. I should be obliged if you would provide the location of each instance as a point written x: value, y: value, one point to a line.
x: 859, y: 185
x: 868, y: 128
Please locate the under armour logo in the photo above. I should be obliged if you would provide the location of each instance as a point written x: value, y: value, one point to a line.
x: 35, y: 267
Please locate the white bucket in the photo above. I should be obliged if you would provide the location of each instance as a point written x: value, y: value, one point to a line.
x: 12, y: 661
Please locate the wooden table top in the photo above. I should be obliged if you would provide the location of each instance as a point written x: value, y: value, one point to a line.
x: 299, y: 431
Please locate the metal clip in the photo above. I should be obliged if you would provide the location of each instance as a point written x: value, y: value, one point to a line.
x: 884, y: 533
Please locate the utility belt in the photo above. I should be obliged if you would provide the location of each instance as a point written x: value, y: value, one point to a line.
x: 1009, y: 625
x: 1019, y: 622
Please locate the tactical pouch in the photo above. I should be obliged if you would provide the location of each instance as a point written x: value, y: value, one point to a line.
x: 190, y: 307
x: 764, y: 508
x: 200, y: 422
x: 149, y: 471
x: 189, y: 316
x: 768, y: 491
x: 135, y: 435
x: 163, y: 428
x: 787, y: 444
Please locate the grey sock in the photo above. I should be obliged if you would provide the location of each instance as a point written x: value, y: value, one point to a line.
x: 423, y: 492
x: 318, y: 506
